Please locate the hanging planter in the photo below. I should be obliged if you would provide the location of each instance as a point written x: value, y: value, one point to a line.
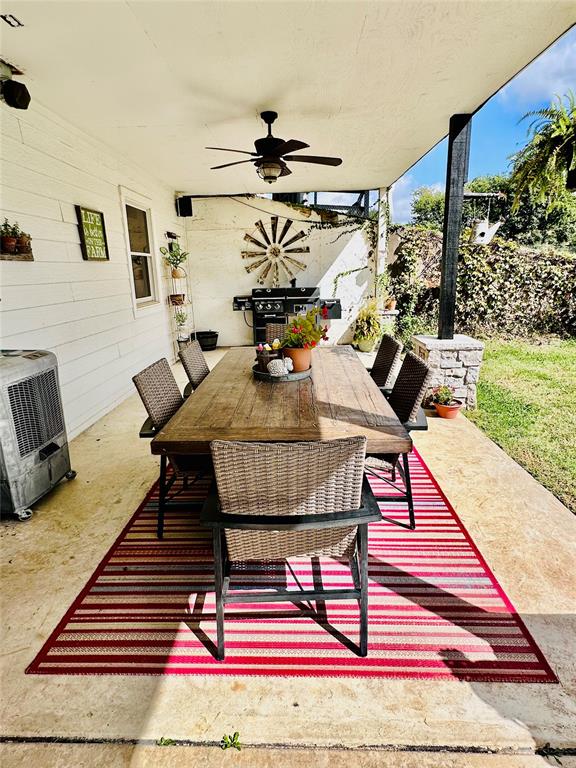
x: 178, y: 273
x: 176, y: 299
x: 174, y: 258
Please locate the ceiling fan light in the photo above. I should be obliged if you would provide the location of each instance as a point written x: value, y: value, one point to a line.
x: 269, y: 171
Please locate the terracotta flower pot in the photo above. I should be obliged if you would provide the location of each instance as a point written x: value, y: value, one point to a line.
x: 8, y: 244
x: 178, y: 272
x: 23, y: 244
x: 448, y: 411
x: 390, y: 305
x: 302, y: 358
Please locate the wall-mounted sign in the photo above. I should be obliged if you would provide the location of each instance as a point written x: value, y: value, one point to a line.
x: 92, y: 234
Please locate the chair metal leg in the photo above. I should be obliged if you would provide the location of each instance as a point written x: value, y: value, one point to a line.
x: 355, y: 571
x: 409, y: 497
x: 161, y: 497
x: 219, y: 589
x: 363, y: 542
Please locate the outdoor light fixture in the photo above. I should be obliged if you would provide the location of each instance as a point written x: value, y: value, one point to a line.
x: 14, y: 94
x: 269, y: 171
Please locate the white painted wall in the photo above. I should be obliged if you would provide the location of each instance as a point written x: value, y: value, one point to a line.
x: 82, y: 311
x: 217, y: 271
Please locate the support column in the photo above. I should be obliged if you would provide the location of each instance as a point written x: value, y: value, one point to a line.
x: 456, y: 176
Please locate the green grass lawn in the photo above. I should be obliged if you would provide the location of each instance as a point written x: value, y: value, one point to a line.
x: 527, y: 404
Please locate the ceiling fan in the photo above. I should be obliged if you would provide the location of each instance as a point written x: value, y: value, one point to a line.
x: 272, y: 153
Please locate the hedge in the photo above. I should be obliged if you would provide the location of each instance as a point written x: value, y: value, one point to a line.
x: 503, y: 289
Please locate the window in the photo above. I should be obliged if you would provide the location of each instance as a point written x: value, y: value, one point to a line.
x: 138, y: 224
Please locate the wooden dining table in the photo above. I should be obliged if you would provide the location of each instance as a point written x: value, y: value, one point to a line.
x: 339, y: 399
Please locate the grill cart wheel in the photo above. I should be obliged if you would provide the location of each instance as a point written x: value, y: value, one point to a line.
x: 71, y: 474
x: 23, y: 514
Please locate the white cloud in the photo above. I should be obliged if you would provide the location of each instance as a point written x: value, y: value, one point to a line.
x: 554, y: 72
x: 401, y: 197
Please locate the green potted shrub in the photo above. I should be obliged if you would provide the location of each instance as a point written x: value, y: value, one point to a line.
x: 174, y: 258
x: 443, y: 400
x: 302, y: 336
x: 9, y: 234
x: 368, y: 328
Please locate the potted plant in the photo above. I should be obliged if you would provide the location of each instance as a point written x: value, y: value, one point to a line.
x: 302, y: 336
x: 174, y: 257
x: 176, y: 299
x: 9, y: 234
x: 442, y: 399
x: 390, y: 304
x: 180, y: 318
x: 368, y: 328
x: 23, y: 243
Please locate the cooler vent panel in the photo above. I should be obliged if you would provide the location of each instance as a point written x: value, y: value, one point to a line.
x: 36, y: 411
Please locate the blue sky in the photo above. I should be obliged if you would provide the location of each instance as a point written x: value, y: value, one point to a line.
x: 496, y: 132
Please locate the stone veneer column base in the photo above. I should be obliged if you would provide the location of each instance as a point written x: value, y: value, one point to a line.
x: 454, y: 362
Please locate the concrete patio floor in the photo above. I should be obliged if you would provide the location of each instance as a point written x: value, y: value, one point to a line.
x: 526, y: 535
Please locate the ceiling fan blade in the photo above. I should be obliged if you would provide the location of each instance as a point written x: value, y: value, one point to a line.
x: 292, y: 145
x: 313, y: 159
x: 227, y: 165
x: 286, y: 171
x: 242, y: 151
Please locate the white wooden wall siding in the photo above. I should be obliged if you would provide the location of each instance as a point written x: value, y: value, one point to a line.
x: 215, y: 239
x: 82, y: 311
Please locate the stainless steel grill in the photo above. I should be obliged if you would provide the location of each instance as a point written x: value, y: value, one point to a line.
x: 36, y: 411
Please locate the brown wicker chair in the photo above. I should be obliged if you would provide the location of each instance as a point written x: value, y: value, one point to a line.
x: 194, y: 363
x: 387, y: 359
x: 315, y: 502
x: 406, y: 399
x: 161, y: 396
x: 275, y: 331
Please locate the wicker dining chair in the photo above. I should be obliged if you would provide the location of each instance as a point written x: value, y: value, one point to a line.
x: 386, y: 361
x: 161, y: 397
x: 275, y: 331
x: 406, y: 399
x: 274, y: 501
x: 195, y: 365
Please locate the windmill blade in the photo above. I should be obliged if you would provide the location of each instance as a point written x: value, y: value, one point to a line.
x: 227, y: 165
x: 264, y: 274
x: 295, y: 262
x: 299, y: 236
x: 287, y: 224
x: 250, y: 239
x: 252, y: 254
x: 313, y: 159
x: 256, y: 264
x: 297, y: 250
x: 242, y: 151
x: 274, y: 225
x: 292, y: 145
x: 286, y: 268
x: 260, y: 228
x: 275, y: 276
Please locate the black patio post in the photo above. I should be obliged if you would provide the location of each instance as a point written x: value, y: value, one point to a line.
x: 456, y: 175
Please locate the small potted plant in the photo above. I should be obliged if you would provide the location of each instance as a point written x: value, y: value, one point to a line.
x: 180, y: 318
x: 302, y: 336
x: 9, y: 233
x: 368, y: 328
x: 443, y: 400
x: 390, y: 304
x: 23, y: 243
x: 174, y: 257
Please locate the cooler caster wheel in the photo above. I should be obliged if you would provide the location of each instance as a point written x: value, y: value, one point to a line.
x: 71, y: 474
x: 24, y: 514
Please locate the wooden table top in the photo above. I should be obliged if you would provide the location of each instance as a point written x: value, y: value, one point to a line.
x: 340, y: 399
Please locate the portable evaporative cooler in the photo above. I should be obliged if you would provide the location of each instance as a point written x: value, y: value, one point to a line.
x: 33, y: 444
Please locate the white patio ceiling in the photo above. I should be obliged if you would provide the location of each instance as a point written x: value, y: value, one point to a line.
x: 371, y: 82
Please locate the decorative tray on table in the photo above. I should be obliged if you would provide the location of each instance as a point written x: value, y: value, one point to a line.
x: 265, y: 376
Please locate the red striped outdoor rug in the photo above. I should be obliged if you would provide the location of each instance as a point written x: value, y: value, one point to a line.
x: 436, y: 609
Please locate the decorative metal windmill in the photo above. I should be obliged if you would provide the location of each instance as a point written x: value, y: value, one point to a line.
x: 275, y: 252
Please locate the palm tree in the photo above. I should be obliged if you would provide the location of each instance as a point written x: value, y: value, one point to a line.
x: 546, y: 166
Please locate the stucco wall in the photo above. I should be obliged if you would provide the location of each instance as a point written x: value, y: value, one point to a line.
x: 214, y: 236
x: 83, y: 311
